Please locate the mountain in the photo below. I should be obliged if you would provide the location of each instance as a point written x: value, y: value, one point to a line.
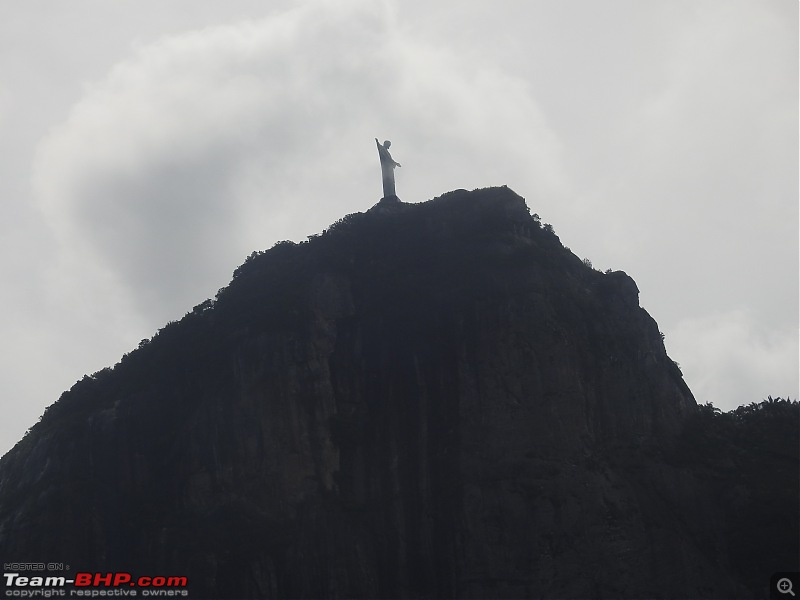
x: 426, y: 400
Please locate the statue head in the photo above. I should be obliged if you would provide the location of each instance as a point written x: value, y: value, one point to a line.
x: 387, y: 144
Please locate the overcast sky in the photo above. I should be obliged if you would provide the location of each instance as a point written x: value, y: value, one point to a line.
x: 148, y: 147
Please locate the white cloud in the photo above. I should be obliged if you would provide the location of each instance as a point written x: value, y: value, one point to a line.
x: 207, y: 145
x: 729, y: 360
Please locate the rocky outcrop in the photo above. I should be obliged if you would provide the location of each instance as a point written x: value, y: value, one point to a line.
x: 429, y: 400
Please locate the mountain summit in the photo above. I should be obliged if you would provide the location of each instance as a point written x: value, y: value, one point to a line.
x: 426, y: 400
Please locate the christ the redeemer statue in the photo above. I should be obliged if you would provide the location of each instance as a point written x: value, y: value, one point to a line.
x: 387, y: 169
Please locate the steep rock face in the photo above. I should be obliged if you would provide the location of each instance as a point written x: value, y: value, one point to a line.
x: 426, y: 400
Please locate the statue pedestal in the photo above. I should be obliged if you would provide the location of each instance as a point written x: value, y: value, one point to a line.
x: 388, y: 204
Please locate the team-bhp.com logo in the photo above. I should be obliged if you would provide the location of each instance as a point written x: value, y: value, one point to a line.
x: 119, y: 584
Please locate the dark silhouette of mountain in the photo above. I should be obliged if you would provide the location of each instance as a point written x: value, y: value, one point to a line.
x: 430, y: 400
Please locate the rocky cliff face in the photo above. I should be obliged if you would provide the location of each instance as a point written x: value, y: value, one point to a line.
x: 430, y: 400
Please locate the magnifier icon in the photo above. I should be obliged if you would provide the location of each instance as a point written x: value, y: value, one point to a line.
x: 785, y: 586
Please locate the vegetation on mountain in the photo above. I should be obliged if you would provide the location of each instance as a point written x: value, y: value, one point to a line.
x: 425, y: 400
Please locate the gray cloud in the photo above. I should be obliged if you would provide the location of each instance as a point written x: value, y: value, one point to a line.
x: 188, y: 154
x: 727, y: 358
x: 658, y: 137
